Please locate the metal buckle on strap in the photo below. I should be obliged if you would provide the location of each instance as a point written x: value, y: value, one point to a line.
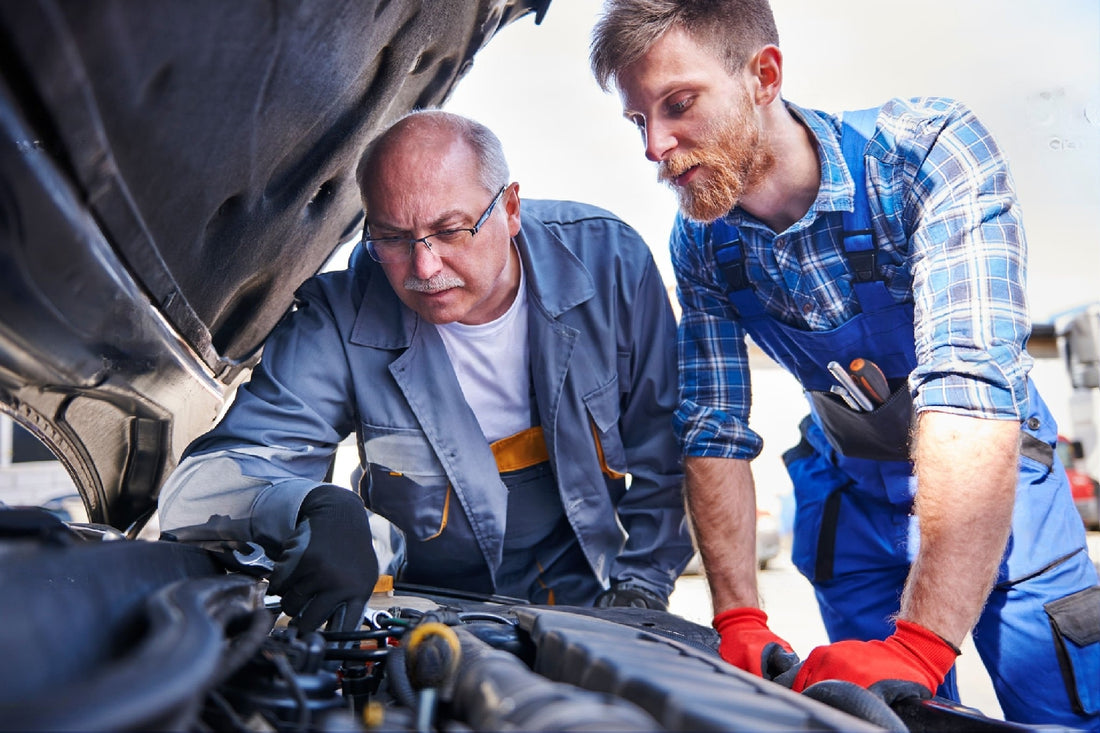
x: 862, y: 262
x: 730, y: 257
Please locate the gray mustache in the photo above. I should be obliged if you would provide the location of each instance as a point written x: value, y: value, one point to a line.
x: 433, y: 284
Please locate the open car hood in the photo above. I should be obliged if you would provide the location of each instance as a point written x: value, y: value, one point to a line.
x: 170, y: 172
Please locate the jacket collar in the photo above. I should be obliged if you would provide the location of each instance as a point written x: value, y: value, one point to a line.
x: 556, y: 282
x: 836, y: 190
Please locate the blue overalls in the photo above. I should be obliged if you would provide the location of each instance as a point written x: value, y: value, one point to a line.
x: 854, y: 536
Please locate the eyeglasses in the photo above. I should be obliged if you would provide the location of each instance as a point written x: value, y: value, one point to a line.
x: 444, y: 244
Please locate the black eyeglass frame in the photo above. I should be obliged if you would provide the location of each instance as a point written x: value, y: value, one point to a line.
x: 369, y: 242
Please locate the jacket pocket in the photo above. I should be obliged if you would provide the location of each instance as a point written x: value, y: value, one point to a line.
x: 405, y: 482
x: 603, y: 411
x: 1075, y: 621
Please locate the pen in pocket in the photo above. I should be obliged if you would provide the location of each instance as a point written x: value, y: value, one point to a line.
x: 846, y: 381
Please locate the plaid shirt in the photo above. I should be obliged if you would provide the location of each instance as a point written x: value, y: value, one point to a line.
x: 949, y: 238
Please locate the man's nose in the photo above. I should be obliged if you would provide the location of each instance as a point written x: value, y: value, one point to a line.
x: 425, y: 262
x: 659, y: 141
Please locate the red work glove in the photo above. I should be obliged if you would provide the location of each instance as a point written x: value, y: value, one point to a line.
x: 911, y: 654
x: 748, y: 643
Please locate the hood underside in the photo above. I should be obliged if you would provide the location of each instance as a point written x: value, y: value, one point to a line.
x: 170, y: 173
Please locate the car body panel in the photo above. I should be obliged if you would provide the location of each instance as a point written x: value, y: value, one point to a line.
x: 169, y: 174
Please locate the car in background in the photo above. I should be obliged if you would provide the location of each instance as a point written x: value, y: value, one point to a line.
x: 1085, y: 489
x: 767, y: 538
x: 768, y: 543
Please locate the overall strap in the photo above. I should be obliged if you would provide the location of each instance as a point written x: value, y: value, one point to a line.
x: 856, y: 130
x: 859, y: 243
x: 730, y: 255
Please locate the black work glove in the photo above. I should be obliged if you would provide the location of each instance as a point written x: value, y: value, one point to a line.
x: 627, y: 593
x: 327, y: 569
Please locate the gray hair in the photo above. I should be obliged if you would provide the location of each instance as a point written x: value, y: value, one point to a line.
x: 734, y: 29
x: 492, y: 165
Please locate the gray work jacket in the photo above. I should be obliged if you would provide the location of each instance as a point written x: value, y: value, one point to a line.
x: 352, y: 358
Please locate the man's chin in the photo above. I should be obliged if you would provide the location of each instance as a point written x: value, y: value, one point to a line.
x: 436, y: 317
x: 700, y: 205
x: 704, y: 212
x: 434, y: 307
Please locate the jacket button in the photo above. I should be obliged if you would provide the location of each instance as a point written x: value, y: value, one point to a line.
x: 1033, y: 423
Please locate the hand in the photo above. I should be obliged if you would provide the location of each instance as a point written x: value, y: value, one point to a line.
x: 626, y: 593
x: 327, y: 569
x: 748, y: 643
x: 912, y: 654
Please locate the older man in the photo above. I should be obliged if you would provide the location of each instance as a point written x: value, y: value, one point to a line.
x: 504, y: 373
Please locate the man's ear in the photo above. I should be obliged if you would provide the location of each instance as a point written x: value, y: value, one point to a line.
x: 511, y: 207
x: 766, y: 68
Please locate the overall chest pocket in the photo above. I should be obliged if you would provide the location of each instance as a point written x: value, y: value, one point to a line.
x: 406, y: 483
x: 879, y: 435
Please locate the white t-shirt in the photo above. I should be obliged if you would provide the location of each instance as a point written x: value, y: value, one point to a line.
x: 493, y: 365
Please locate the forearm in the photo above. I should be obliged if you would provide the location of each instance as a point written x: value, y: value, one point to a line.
x: 213, y: 497
x: 721, y: 501
x: 966, y: 472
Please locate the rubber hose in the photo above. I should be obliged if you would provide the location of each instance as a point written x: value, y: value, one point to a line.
x: 397, y: 674
x: 850, y: 698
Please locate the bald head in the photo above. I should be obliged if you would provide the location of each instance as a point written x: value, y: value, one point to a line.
x: 421, y: 138
x: 435, y: 188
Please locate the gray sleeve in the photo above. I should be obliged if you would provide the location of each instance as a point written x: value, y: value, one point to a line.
x: 246, y: 478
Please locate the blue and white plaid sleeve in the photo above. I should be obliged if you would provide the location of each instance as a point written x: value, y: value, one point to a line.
x: 967, y: 259
x: 715, y: 392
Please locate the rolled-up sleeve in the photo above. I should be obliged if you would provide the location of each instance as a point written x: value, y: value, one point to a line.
x: 967, y: 259
x: 247, y: 477
x: 715, y: 390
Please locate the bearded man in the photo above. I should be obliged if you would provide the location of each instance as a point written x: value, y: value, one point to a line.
x: 879, y: 257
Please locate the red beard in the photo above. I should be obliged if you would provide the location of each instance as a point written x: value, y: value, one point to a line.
x: 731, y: 159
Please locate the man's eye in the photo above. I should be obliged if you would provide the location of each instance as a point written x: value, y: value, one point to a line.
x: 391, y: 243
x: 680, y: 106
x: 453, y: 236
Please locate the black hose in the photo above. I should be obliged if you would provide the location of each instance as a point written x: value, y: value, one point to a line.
x: 359, y: 635
x: 855, y: 700
x: 397, y: 675
x: 357, y: 655
x: 300, y: 700
x: 244, y: 645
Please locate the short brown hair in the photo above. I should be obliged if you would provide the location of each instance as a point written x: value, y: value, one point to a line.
x: 734, y: 29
